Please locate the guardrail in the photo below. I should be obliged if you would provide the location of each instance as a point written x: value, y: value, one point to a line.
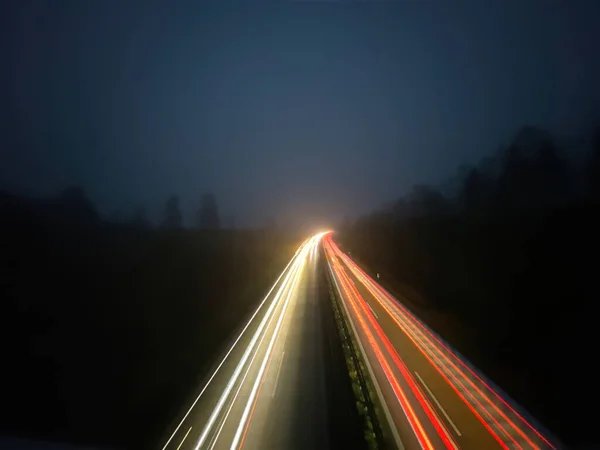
x: 380, y: 431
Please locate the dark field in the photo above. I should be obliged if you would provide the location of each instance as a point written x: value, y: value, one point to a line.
x: 106, y: 330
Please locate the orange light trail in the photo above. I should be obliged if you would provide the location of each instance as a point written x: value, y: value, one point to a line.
x: 462, y: 363
x: 440, y: 371
x: 442, y: 431
x: 437, y: 366
x: 401, y: 396
x: 415, y: 327
x: 498, y: 439
x: 243, y: 439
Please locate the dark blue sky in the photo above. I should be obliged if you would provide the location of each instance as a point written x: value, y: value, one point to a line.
x: 302, y: 112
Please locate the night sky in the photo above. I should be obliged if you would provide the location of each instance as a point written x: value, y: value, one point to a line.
x: 302, y: 112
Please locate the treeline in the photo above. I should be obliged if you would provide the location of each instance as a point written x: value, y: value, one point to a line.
x: 73, y: 206
x: 512, y: 254
x: 206, y: 217
x: 106, y: 329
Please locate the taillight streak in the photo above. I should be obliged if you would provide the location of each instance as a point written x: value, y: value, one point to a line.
x: 421, y: 398
x: 411, y: 334
x: 398, y: 391
x: 413, y: 328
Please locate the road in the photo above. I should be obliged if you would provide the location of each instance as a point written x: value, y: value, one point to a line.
x: 433, y: 398
x: 268, y: 391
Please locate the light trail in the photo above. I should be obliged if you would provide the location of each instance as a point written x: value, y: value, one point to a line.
x: 407, y: 375
x: 344, y: 307
x: 246, y: 419
x: 241, y: 384
x: 266, y: 334
x: 455, y: 383
x: 229, y: 351
x: 452, y: 385
x: 417, y: 338
x: 448, y: 364
x: 213, y: 417
x: 400, y: 395
x: 354, y: 298
x: 250, y: 403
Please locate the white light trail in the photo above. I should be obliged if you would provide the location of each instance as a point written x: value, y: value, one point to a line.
x: 213, y: 417
x: 229, y: 352
x: 250, y: 402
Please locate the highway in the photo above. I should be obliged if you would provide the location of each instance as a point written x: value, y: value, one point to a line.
x: 433, y: 398
x: 268, y: 389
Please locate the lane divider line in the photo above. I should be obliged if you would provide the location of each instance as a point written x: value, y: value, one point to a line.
x: 278, y: 372
x: 186, y: 435
x: 373, y: 311
x: 438, y: 404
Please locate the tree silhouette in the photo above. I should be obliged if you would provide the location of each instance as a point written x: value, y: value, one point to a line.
x: 172, y: 218
x: 475, y: 193
x: 73, y: 205
x: 533, y: 174
x: 140, y: 219
x: 426, y: 201
x: 116, y: 217
x: 230, y: 221
x: 593, y: 167
x: 550, y: 175
x: 512, y: 185
x: 208, y: 213
x: 270, y: 222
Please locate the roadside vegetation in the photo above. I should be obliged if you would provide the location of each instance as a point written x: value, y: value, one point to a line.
x: 362, y: 387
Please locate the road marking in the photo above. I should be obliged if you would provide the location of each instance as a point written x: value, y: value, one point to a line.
x: 278, y: 372
x: 374, y: 313
x: 186, y: 435
x: 437, y: 403
x: 287, y: 331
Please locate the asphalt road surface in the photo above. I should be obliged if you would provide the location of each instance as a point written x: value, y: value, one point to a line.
x: 433, y: 398
x: 269, y: 389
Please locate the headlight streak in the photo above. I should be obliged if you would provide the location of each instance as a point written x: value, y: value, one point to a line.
x: 258, y: 382
x: 213, y: 417
x: 265, y: 334
x: 229, y: 351
x: 241, y: 384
